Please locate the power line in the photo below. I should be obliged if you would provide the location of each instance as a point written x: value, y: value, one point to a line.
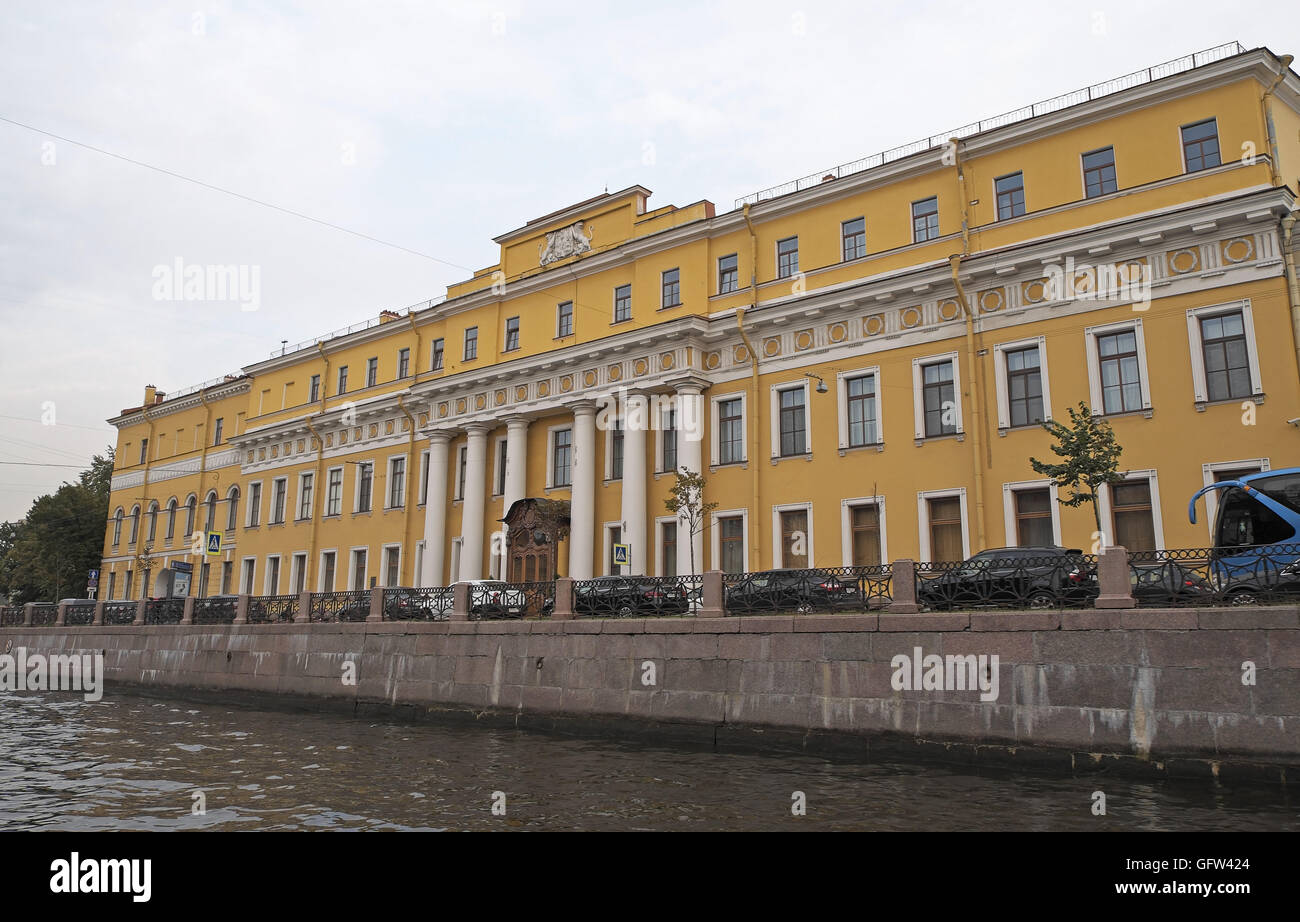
x: 29, y: 419
x: 238, y: 195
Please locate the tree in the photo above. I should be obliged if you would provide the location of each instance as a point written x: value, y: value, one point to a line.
x: 1091, y: 458
x: 686, y: 501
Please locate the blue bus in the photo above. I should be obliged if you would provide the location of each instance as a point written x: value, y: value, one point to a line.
x: 1256, y: 535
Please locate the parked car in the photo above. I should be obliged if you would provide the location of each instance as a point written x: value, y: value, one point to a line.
x: 787, y: 589
x: 494, y: 598
x: 629, y: 596
x: 1031, y: 577
x: 1164, y: 581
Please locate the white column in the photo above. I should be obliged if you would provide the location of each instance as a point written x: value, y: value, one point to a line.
x: 435, y: 511
x: 690, y: 455
x: 582, y: 504
x: 516, y: 460
x: 472, y: 509
x: 635, y: 423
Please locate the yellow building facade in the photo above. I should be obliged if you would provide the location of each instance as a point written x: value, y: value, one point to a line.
x: 856, y: 362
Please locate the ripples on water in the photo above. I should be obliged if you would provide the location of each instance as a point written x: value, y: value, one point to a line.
x: 134, y: 763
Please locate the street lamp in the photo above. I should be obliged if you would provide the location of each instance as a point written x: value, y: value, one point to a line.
x: 821, y: 385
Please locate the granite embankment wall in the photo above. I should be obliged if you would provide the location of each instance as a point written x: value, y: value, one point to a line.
x: 1151, y: 691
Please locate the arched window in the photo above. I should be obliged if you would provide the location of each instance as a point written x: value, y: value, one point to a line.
x: 171, y: 518
x: 191, y: 505
x: 117, y: 527
x: 135, y: 523
x: 211, y: 503
x: 233, y: 513
x: 153, y: 521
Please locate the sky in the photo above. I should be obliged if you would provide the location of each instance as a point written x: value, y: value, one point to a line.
x: 433, y: 127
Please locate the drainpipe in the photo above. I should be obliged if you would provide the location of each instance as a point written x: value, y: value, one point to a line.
x: 412, y: 498
x: 203, y: 467
x: 1288, y: 222
x: 1267, y: 102
x: 419, y: 349
x: 755, y: 530
x: 317, y: 489
x: 975, y: 386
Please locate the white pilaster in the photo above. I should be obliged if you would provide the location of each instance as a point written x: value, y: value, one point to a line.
x: 473, y: 507
x: 582, y: 505
x: 435, y: 511
x: 690, y: 455
x: 635, y: 422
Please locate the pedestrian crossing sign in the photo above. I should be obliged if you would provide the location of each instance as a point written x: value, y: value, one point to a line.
x: 622, y: 556
x: 214, y: 544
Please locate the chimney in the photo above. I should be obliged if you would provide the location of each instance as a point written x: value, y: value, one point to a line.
x: 386, y: 316
x: 150, y: 395
x: 158, y: 397
x: 828, y: 177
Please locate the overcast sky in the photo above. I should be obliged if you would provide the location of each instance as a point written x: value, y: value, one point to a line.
x: 436, y: 127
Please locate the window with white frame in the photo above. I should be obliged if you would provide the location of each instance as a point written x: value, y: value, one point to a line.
x: 862, y: 532
x: 1225, y: 362
x: 941, y: 515
x: 1020, y: 369
x: 859, y: 408
x: 936, y: 396
x: 790, y: 419
x: 424, y: 477
x: 1031, y: 514
x: 273, y: 575
x: 254, y: 504
x: 328, y: 565
x: 1219, y: 471
x: 306, y: 484
x: 392, y: 565
x: 357, y: 569
x: 666, y: 546
x: 729, y: 429
x: 792, y: 536
x: 730, y: 536
x: 246, y: 578
x: 559, y: 457
x: 397, y: 482
x: 298, y: 575
x: 1131, y: 510
x: 1117, y: 368
x: 499, y: 475
x: 364, y: 501
x: 667, y: 440
x: 334, y: 492
x: 462, y: 466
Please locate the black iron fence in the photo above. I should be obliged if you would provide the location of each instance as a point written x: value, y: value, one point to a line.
x: 1012, y: 580
x: 44, y: 614
x: 164, y: 611
x: 492, y: 600
x: 122, y: 612
x: 340, y: 606
x: 79, y: 613
x: 12, y: 616
x: 272, y: 609
x: 219, y: 609
x: 834, y: 589
x: 429, y: 604
x: 1180, y: 577
x: 637, y: 596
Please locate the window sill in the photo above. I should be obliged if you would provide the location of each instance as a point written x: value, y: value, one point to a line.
x: 1256, y: 399
x: 743, y: 465
x: 331, y: 515
x: 302, y: 518
x: 1145, y: 413
x: 957, y: 436
x: 619, y: 323
x: 362, y: 513
x: 801, y: 456
x: 668, y: 307
x: 846, y: 449
x: 1027, y: 427
x: 559, y: 486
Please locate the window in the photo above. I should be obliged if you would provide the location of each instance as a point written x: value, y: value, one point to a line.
x: 793, y: 421
x: 564, y: 319
x: 1033, y: 509
x: 938, y: 399
x: 299, y: 573
x: 501, y: 469
x: 1227, y: 362
x: 359, y: 569
x: 1024, y: 386
x: 1010, y: 192
x: 279, y: 493
x: 327, y: 571
x: 254, y: 505
x: 794, y: 539
x: 232, y: 514
x: 315, y: 388
x: 864, y: 531
x: 1099, y: 172
x: 1131, y: 510
x: 787, y: 257
x: 403, y: 362
x: 512, y: 333
x: 372, y: 372
x: 731, y: 431
x: 853, y: 238
x: 227, y: 574
x: 615, y: 534
x: 561, y: 456
x: 365, y: 485
x: 728, y: 274
x: 860, y: 394
x: 153, y: 522
x: 436, y: 363
x: 396, y: 483
x: 117, y: 528
x: 191, y: 505
x: 672, y: 288
x: 343, y: 380
x: 1121, y: 379
x: 129, y: 585
x: 925, y: 219
x: 210, y: 521
x: 424, y: 477
x: 945, y: 529
x: 305, y: 484
x: 392, y: 561
x: 731, y: 537
x: 616, y: 451
x: 668, y: 548
x: 622, y: 303
x: 1201, y: 145
x: 216, y: 430
x: 171, y: 520
x: 462, y: 466
x: 247, y: 581
x: 334, y: 493
x: 112, y: 584
x: 471, y: 343
x: 144, y: 450
x: 272, y: 575
x: 669, y: 442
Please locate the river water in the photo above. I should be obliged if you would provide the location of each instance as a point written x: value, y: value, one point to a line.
x: 136, y: 763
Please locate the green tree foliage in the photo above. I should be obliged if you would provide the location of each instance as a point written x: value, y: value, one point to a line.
x: 1090, y: 458
x: 45, y: 557
x: 686, y: 501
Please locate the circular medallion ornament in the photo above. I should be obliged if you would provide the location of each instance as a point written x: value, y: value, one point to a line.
x: 1184, y: 261
x: 615, y: 372
x: 666, y: 361
x: 521, y: 393
x: 543, y: 388
x: 1034, y: 291
x: 588, y: 379
x: 771, y: 346
x: 873, y: 325
x: 948, y: 309
x: 910, y: 317
x: 837, y: 332
x: 803, y: 340
x: 711, y: 360
x: 566, y: 383
x: 641, y: 367
x: 992, y: 300
x: 1239, y: 249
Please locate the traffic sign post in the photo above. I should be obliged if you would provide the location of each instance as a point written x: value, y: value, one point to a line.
x: 622, y: 555
x: 214, y: 544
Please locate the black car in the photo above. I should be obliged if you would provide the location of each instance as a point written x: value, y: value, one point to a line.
x: 801, y: 591
x: 1010, y: 577
x: 628, y: 596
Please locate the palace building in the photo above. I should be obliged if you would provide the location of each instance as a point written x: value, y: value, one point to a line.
x: 857, y: 362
